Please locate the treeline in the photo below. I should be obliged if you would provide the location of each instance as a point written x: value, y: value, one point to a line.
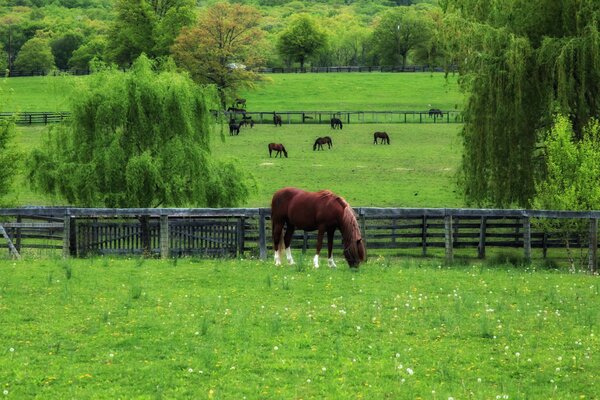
x: 43, y: 35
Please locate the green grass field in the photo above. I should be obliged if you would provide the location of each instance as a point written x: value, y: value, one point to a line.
x: 281, y: 92
x: 105, y: 328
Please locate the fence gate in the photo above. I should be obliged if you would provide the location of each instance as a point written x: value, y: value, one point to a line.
x: 215, y: 237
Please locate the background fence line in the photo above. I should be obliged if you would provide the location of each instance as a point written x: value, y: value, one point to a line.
x: 288, y: 117
x: 172, y: 232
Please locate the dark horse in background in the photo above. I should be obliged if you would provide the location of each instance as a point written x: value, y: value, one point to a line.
x: 278, y: 148
x: 435, y: 112
x: 321, y: 141
x: 234, y: 128
x: 276, y: 119
x: 239, y: 102
x: 336, y: 123
x: 321, y: 211
x: 385, y: 138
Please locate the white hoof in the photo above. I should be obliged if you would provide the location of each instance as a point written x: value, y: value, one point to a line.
x: 316, y: 261
x: 288, y: 255
x: 331, y: 263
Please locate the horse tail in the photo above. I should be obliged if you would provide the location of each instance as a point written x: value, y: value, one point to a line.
x: 315, y: 145
x: 354, y: 247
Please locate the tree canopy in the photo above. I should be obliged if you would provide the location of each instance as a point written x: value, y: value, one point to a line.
x: 302, y: 39
x: 222, y: 48
x: 518, y: 71
x: 137, y: 139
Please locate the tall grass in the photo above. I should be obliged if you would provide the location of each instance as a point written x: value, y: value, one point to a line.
x: 245, y: 329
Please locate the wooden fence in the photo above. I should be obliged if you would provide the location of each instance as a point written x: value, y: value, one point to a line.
x: 348, y: 117
x: 36, y: 117
x: 173, y: 232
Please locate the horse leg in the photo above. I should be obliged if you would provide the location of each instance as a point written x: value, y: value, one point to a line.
x: 287, y: 240
x: 277, y: 238
x: 319, y: 245
x: 330, y: 261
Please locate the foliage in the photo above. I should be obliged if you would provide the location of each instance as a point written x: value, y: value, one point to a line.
x: 571, y: 179
x: 83, y: 56
x: 9, y: 157
x: 63, y: 48
x: 223, y: 48
x: 398, y: 32
x: 518, y: 71
x: 301, y: 40
x: 144, y: 26
x: 137, y: 139
x: 35, y: 55
x: 242, y: 328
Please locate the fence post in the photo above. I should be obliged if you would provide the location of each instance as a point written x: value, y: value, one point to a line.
x: 262, y: 241
x: 527, y: 238
x: 481, y: 247
x: 66, y: 250
x: 164, y: 236
x: 448, y: 239
x: 593, y: 260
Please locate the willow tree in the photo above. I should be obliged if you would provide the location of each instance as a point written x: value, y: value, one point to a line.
x: 136, y: 139
x: 518, y: 72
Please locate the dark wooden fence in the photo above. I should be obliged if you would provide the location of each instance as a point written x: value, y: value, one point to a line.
x: 348, y: 117
x: 36, y: 117
x: 173, y: 232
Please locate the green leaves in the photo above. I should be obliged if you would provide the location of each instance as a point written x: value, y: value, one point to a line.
x: 136, y: 139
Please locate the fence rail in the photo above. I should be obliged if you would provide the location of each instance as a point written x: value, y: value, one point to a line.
x: 36, y: 117
x: 348, y: 117
x: 172, y: 232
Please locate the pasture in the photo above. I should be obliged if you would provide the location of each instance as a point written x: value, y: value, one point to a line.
x: 278, y: 92
x: 403, y: 329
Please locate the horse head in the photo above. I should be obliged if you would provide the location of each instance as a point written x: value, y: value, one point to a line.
x: 355, y: 253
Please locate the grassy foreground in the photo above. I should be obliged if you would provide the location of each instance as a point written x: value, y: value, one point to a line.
x: 106, y: 328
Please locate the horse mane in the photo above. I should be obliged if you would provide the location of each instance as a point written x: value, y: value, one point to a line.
x: 348, y: 224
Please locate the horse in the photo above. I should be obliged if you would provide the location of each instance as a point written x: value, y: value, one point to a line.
x: 381, y: 135
x: 336, y: 123
x: 247, y: 120
x: 276, y: 119
x: 278, y: 148
x: 323, y: 211
x: 240, y: 102
x: 236, y: 110
x: 234, y: 128
x: 435, y: 112
x: 321, y: 141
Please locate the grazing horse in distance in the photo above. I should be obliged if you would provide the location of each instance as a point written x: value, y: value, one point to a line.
x: 435, y: 112
x: 381, y: 135
x: 234, y: 128
x: 276, y: 119
x: 321, y: 141
x: 336, y: 123
x: 239, y: 102
x: 278, y: 148
x: 323, y: 211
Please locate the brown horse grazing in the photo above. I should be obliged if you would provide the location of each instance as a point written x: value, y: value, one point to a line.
x: 276, y: 119
x: 322, y: 211
x: 321, y: 141
x: 381, y: 135
x: 336, y: 123
x: 278, y: 148
x: 435, y: 112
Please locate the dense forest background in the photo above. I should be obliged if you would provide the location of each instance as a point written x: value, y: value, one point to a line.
x: 44, y: 35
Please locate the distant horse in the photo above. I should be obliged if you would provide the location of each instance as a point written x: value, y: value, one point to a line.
x: 336, y: 123
x: 381, y: 135
x: 276, y: 119
x: 247, y: 120
x: 321, y: 141
x: 240, y: 102
x: 234, y: 128
x: 435, y: 112
x: 323, y: 211
x: 278, y: 148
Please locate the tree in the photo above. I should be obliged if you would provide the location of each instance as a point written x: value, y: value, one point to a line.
x: 223, y: 48
x: 9, y: 157
x: 35, y: 55
x: 301, y: 40
x: 136, y: 139
x: 146, y: 26
x: 63, y: 48
x: 93, y: 49
x: 399, y: 31
x: 570, y: 181
x: 518, y: 71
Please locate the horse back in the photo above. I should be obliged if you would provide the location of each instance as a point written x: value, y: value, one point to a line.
x: 307, y: 210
